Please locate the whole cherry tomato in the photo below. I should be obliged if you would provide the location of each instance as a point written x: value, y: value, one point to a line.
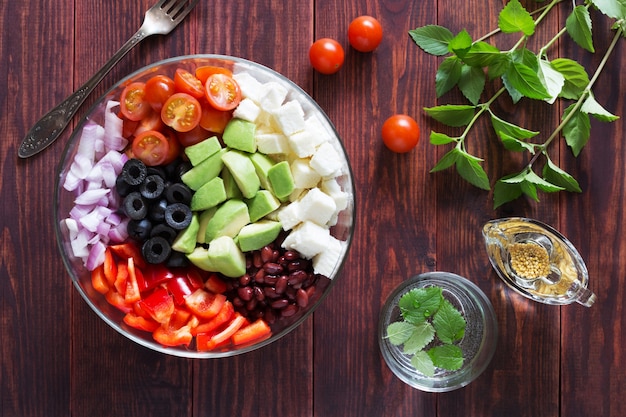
x: 365, y: 33
x: 400, y: 133
x: 158, y: 89
x: 326, y: 56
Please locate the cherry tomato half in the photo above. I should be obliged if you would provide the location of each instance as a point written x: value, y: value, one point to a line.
x: 132, y: 101
x: 326, y: 56
x: 151, y: 147
x: 214, y: 120
x: 204, y: 72
x: 158, y: 89
x: 186, y: 82
x: 222, y: 92
x: 365, y: 33
x: 181, y: 112
x: 152, y: 121
x: 400, y: 133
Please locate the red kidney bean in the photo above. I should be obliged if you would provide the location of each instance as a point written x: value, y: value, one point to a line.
x: 245, y: 293
x: 257, y: 261
x: 281, y: 284
x: 270, y: 292
x: 244, y: 280
x: 267, y: 254
x: 259, y: 277
x: 272, y: 268
x: 259, y: 294
x: 302, y: 298
x: 280, y: 304
x: 297, y: 277
x: 289, y: 311
x: 271, y: 279
x: 251, y: 304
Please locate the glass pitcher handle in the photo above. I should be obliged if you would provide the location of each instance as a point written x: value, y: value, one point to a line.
x: 586, y: 297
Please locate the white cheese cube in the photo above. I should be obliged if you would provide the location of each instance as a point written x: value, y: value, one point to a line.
x: 296, y: 194
x: 317, y: 206
x: 290, y: 117
x: 303, y: 175
x: 333, y: 189
x: 247, y: 110
x: 326, y: 261
x: 272, y: 143
x: 326, y: 161
x: 317, y: 129
x: 250, y: 87
x: 308, y: 239
x: 273, y: 96
x: 302, y: 143
x: 289, y: 215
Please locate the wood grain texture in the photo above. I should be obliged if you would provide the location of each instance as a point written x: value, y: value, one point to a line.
x: 58, y: 358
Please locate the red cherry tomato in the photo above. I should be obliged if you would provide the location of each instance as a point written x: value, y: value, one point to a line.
x: 400, y: 133
x: 222, y: 92
x: 181, y: 112
x: 152, y: 121
x: 132, y: 101
x: 151, y: 147
x: 204, y: 72
x: 186, y: 82
x: 214, y: 120
x: 365, y: 33
x: 326, y: 56
x: 195, y: 135
x: 158, y: 89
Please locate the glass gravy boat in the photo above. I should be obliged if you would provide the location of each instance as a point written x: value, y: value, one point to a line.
x: 537, y: 261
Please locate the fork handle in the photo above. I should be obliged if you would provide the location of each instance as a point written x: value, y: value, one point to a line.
x: 52, y: 124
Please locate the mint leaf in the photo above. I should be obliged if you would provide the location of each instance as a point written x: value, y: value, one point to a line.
x: 469, y: 169
x: 447, y: 160
x: 448, y: 357
x: 576, y: 78
x: 578, y: 25
x: 577, y: 130
x: 515, y: 145
x: 551, y: 79
x: 399, y: 332
x: 472, y: 83
x: 503, y: 127
x: 422, y: 335
x: 449, y: 323
x: 433, y: 39
x: 526, y: 81
x: 448, y: 75
x: 440, y: 138
x: 482, y: 54
x: 454, y: 115
x: 529, y: 189
x: 420, y: 303
x: 423, y: 363
x: 612, y: 8
x: 460, y: 44
x: 504, y: 192
x: 556, y: 175
x: 541, y: 183
x: 514, y: 18
x: 592, y: 107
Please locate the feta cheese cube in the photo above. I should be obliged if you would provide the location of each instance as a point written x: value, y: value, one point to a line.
x: 290, y: 117
x: 289, y: 215
x: 302, y: 143
x: 303, y: 175
x: 272, y: 96
x: 247, y: 110
x: 250, y: 87
x: 317, y: 206
x: 326, y: 161
x: 333, y: 189
x: 326, y: 261
x: 308, y: 239
x: 317, y: 129
x: 272, y: 143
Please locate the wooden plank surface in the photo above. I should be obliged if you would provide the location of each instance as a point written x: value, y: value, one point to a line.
x: 59, y: 358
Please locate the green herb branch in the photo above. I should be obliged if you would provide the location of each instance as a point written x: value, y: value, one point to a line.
x: 467, y: 65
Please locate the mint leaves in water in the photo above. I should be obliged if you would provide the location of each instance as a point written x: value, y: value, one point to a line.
x: 430, y: 330
x: 536, y: 75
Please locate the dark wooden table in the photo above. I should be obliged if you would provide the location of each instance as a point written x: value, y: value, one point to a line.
x: 59, y: 359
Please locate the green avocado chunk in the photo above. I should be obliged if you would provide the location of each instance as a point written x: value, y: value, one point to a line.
x: 239, y: 134
x: 257, y: 235
x: 202, y: 150
x: 243, y: 171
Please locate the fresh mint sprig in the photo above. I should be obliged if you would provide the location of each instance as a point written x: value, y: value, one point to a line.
x: 468, y: 64
x: 429, y: 330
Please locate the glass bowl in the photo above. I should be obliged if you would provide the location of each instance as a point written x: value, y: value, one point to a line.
x: 478, y: 342
x: 341, y: 226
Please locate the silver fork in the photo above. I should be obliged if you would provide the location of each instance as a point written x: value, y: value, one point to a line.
x: 160, y: 19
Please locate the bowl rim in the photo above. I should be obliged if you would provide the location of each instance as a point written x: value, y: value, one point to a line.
x: 117, y: 325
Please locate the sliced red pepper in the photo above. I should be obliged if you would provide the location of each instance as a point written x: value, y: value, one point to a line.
x: 153, y: 276
x: 195, y: 278
x: 99, y: 281
x: 117, y: 300
x: 177, y: 331
x: 205, y: 304
x: 129, y: 250
x: 139, y: 322
x: 132, y: 293
x: 215, y: 284
x: 223, y: 317
x: 122, y: 278
x: 223, y: 336
x: 110, y: 266
x: 255, y: 332
x: 180, y: 287
x: 159, y: 304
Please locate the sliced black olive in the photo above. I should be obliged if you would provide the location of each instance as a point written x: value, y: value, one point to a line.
x: 157, y: 171
x: 122, y: 187
x: 178, y: 193
x: 139, y: 230
x: 135, y: 206
x: 178, y: 216
x: 134, y: 172
x: 177, y: 260
x: 152, y: 187
x: 156, y: 250
x: 165, y: 231
x: 157, y: 210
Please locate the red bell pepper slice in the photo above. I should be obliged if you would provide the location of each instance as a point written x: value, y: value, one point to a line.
x: 129, y: 250
x: 99, y: 281
x: 122, y: 278
x: 117, y: 300
x: 159, y: 304
x: 215, y: 284
x: 110, y: 266
x: 132, y: 293
x: 177, y: 331
x: 205, y: 304
x: 180, y: 288
x: 139, y: 322
x: 223, y: 336
x: 153, y: 276
x: 223, y: 317
x: 255, y: 332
